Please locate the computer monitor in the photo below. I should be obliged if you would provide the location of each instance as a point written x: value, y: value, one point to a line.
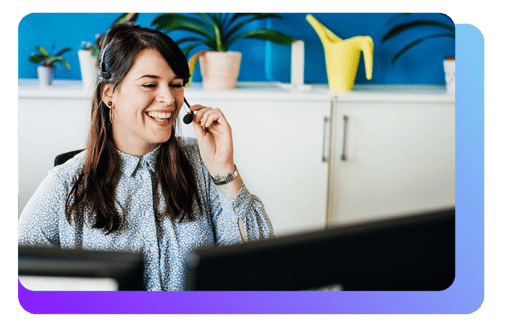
x: 413, y: 252
x: 49, y: 268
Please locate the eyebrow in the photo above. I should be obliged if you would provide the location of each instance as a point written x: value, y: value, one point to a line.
x: 149, y: 76
x: 156, y: 77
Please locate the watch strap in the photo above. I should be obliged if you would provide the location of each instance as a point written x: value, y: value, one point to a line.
x: 230, y: 177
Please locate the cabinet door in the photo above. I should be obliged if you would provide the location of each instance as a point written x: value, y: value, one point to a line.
x: 47, y: 128
x: 278, y: 149
x: 399, y: 158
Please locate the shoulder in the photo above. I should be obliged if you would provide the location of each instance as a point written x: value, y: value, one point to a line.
x: 190, y: 147
x: 70, y: 169
x: 189, y: 143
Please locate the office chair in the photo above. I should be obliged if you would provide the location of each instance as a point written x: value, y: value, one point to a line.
x: 61, y: 158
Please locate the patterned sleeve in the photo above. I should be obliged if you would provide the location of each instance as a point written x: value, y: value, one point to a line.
x: 241, y: 219
x: 38, y: 223
x: 235, y: 220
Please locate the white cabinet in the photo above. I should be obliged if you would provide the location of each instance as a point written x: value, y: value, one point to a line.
x: 398, y: 154
x: 50, y: 122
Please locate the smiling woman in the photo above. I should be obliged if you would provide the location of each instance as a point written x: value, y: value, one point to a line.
x: 145, y: 105
x: 138, y: 187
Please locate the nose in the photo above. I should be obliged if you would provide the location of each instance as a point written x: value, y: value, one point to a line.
x: 166, y: 96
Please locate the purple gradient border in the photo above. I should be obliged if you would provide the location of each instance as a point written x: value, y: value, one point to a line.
x: 464, y: 296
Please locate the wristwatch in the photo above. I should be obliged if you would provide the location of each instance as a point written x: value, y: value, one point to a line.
x: 227, y: 179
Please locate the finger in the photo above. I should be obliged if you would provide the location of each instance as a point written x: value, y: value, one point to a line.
x: 200, y: 113
x: 211, y: 119
x: 215, y: 115
x: 199, y: 130
x: 196, y: 107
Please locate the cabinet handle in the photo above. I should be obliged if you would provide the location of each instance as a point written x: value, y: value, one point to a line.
x: 343, y: 157
x: 324, y: 159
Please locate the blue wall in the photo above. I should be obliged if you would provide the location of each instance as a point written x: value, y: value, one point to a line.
x: 262, y: 61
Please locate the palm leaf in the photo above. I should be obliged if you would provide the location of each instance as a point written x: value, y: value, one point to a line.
x: 397, y: 16
x: 173, y: 22
x: 169, y: 21
x: 37, y: 58
x: 403, y: 27
x: 265, y: 35
x: 412, y: 44
x: 42, y: 51
x: 214, y: 26
x: 230, y: 20
x: 187, y: 50
x: 62, y: 52
x: 65, y: 63
x: 188, y: 39
x: 122, y: 18
x: 234, y: 29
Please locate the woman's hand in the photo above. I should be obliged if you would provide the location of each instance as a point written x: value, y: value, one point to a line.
x: 214, y: 137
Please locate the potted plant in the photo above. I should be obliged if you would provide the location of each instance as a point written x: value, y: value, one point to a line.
x: 45, y: 71
x: 87, y: 57
x: 448, y: 30
x: 88, y: 52
x: 217, y: 32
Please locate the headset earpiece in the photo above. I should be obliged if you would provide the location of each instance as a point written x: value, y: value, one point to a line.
x: 188, y: 118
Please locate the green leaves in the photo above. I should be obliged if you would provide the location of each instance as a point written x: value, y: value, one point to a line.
x: 42, y: 51
x: 400, y: 28
x: 124, y: 18
x: 37, y: 58
x: 47, y: 59
x: 412, y: 44
x: 55, y: 61
x: 61, y: 52
x: 218, y: 31
x: 404, y: 27
x: 94, y: 51
x: 266, y: 35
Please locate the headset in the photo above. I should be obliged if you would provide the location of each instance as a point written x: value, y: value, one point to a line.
x: 188, y: 118
x: 103, y: 74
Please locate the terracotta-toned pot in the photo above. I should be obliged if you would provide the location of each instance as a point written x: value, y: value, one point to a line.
x: 220, y: 70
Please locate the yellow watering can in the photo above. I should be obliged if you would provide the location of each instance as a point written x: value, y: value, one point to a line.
x: 342, y: 56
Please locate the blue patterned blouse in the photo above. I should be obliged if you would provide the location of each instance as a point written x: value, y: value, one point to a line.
x: 164, y: 244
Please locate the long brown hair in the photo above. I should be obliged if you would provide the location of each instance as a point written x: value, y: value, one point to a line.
x: 94, y: 188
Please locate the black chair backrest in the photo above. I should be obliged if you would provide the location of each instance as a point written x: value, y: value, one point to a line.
x: 61, y: 158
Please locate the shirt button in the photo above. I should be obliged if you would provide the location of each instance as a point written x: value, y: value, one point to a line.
x: 147, y: 213
x: 236, y: 209
x: 144, y: 177
x: 152, y: 249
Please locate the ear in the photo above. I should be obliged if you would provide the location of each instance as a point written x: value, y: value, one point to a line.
x: 107, y: 93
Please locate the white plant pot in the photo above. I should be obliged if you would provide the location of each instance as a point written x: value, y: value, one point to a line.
x: 45, y: 75
x: 87, y: 68
x: 220, y: 69
x: 449, y: 74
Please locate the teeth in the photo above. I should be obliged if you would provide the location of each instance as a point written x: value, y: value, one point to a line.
x: 159, y: 115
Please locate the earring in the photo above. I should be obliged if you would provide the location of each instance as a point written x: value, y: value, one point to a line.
x: 109, y: 103
x: 110, y: 116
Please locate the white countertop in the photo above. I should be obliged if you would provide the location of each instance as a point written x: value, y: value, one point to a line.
x: 257, y: 91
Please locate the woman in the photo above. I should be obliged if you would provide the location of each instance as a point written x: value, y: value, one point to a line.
x: 138, y: 187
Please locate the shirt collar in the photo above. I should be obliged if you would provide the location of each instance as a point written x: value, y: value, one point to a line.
x: 129, y: 163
